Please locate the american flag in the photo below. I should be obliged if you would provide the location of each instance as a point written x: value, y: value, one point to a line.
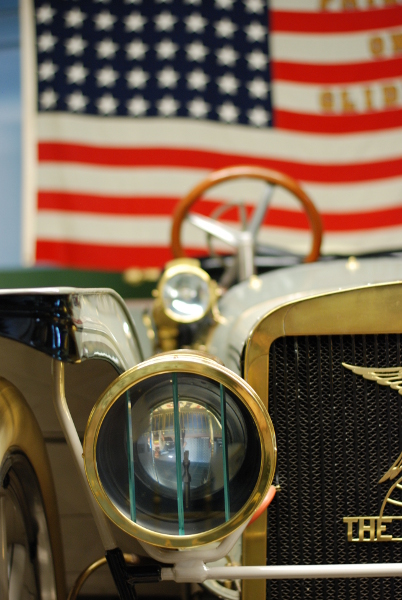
x: 136, y: 101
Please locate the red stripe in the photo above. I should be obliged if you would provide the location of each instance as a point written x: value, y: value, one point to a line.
x: 335, y: 22
x: 105, y: 258
x: 337, y: 73
x: 276, y: 217
x: 350, y: 123
x: 145, y: 157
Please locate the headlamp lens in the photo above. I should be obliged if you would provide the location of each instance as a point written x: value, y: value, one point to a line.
x: 186, y: 296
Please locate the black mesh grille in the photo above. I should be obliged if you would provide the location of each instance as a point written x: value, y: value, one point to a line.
x: 337, y: 435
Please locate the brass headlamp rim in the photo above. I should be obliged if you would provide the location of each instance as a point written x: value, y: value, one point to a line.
x: 189, y: 266
x: 191, y: 363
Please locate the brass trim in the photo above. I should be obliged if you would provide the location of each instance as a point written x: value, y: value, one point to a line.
x: 364, y: 310
x: 186, y: 362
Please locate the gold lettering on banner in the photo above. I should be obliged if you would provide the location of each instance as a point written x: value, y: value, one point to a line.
x: 347, y: 104
x: 396, y: 42
x: 387, y: 44
x: 376, y: 46
x: 390, y: 95
x: 355, y: 4
x: 327, y: 101
x: 369, y: 99
x: 359, y: 99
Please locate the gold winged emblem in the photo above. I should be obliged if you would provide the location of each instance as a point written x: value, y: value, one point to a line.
x: 375, y: 527
x: 391, y: 376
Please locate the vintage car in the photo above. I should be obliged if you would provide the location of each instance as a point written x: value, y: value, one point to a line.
x: 245, y: 435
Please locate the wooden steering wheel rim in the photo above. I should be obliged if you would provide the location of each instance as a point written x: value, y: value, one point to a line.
x: 268, y: 175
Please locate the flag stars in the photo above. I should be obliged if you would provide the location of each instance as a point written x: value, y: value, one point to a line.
x: 258, y: 88
x: 76, y: 73
x: 167, y: 78
x: 106, y: 48
x: 48, y: 99
x: 137, y: 106
x: 228, y: 84
x: 77, y: 102
x: 136, y: 49
x: 75, y: 45
x: 225, y: 28
x: 46, y: 42
x: 196, y: 51
x: 47, y: 70
x: 195, y: 23
x: 257, y: 60
x: 106, y: 77
x: 198, y: 108
x: 45, y: 14
x: 228, y: 112
x: 254, y: 6
x: 256, y: 32
x: 107, y: 104
x: 137, y: 78
x: 166, y: 49
x: 258, y: 116
x: 134, y: 22
x: 167, y: 106
x: 225, y: 4
x: 104, y: 21
x: 165, y: 21
x: 74, y: 17
x: 193, y: 2
x: 197, y: 80
x: 227, y: 56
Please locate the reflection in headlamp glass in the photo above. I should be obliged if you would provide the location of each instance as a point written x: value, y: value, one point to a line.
x: 193, y: 467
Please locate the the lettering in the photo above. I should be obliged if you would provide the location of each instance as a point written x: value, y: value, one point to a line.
x: 370, y: 529
x: 361, y: 99
x: 354, y: 4
x: 385, y: 45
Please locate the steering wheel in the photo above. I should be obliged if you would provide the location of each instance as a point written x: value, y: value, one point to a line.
x: 269, y: 176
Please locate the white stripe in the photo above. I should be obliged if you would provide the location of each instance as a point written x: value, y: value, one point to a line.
x: 124, y: 132
x: 330, y: 48
x: 328, y: 5
x: 176, y: 183
x: 122, y: 231
x: 362, y: 98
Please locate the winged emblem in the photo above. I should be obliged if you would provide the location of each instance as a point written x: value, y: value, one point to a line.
x: 392, y: 377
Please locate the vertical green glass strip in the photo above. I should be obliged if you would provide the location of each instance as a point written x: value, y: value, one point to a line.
x: 180, y: 507
x: 225, y: 455
x: 130, y: 454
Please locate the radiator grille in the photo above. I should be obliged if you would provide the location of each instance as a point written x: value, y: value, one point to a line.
x: 337, y: 435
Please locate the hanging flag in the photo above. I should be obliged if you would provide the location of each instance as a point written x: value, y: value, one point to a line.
x: 137, y: 101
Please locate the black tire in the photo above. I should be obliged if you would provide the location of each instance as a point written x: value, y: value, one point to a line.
x: 29, y: 520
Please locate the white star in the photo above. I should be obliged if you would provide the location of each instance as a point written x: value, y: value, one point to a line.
x: 104, y: 21
x: 166, y: 49
x: 76, y: 101
x: 46, y: 41
x: 256, y: 32
x: 167, y: 77
x: 135, y: 22
x: 225, y: 28
x: 136, y: 49
x: 196, y: 51
x: 197, y: 80
x: 228, y: 112
x: 45, y: 14
x: 228, y: 84
x: 137, y: 78
x: 165, y: 21
x: 106, y: 77
x: 193, y: 2
x: 137, y: 106
x: 224, y: 4
x: 74, y: 17
x: 195, y: 23
x: 75, y: 45
x: 167, y: 106
x: 258, y: 88
x: 106, y: 48
x: 198, y: 108
x: 257, y: 60
x: 254, y: 6
x: 47, y: 70
x: 48, y: 99
x: 76, y: 73
x: 107, y: 104
x: 258, y: 116
x: 227, y: 56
